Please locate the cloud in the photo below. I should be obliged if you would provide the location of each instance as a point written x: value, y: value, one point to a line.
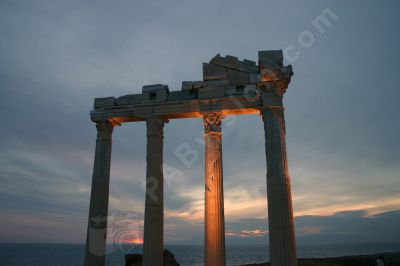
x: 55, y: 58
x: 351, y: 226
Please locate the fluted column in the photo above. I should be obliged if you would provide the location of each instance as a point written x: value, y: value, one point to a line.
x: 98, y: 210
x: 154, y: 207
x: 280, y: 211
x: 214, y: 193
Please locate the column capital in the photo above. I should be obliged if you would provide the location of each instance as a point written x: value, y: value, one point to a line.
x: 212, y: 122
x: 104, y: 129
x: 155, y: 126
x: 275, y: 77
x: 275, y: 88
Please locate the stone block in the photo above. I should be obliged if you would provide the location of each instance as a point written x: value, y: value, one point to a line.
x: 232, y: 59
x: 186, y: 85
x: 180, y: 95
x: 104, y: 102
x: 129, y: 99
x: 198, y: 84
x: 155, y: 93
x: 239, y: 90
x: 212, y: 72
x: 205, y: 92
x: 254, y: 78
x: 215, y: 77
x: 210, y: 107
x: 250, y: 90
x: 154, y: 87
x: 272, y: 55
x: 211, y: 92
x: 250, y: 62
x: 217, y: 60
x: 249, y: 68
x: 269, y: 71
x: 232, y: 62
x: 229, y: 90
x: 238, y: 78
x: 218, y: 82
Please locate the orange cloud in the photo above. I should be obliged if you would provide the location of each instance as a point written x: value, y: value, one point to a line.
x: 247, y: 233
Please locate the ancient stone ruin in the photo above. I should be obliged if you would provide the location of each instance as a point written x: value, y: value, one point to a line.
x: 229, y: 87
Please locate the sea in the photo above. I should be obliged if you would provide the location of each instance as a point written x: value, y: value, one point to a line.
x: 72, y: 254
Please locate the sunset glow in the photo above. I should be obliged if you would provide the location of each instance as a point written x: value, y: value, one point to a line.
x: 341, y: 122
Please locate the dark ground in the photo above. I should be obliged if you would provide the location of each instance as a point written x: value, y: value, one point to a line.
x: 390, y: 259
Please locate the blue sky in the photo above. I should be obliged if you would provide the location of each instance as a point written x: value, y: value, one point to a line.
x: 341, y: 114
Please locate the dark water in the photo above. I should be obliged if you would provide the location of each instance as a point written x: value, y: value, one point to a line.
x: 72, y: 254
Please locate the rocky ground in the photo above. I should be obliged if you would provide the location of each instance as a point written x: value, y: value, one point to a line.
x: 389, y: 259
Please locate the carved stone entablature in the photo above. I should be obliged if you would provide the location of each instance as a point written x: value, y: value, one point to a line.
x: 212, y: 122
x: 229, y: 85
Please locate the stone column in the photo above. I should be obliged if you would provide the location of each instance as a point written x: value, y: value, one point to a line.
x: 280, y: 212
x: 214, y: 236
x: 154, y: 207
x: 98, y: 210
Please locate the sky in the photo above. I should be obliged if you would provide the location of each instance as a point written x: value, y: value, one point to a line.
x: 341, y: 115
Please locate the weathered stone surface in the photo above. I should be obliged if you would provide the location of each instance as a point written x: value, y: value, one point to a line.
x: 211, y: 92
x: 254, y: 78
x: 180, y: 95
x: 238, y: 78
x: 98, y: 209
x: 250, y: 62
x: 214, y: 233
x: 129, y: 99
x: 250, y: 90
x: 153, y: 236
x: 198, y: 84
x: 218, y: 82
x: 155, y: 93
x: 104, y: 102
x: 211, y: 107
x: 187, y: 85
x: 205, y: 93
x: 274, y: 77
x: 212, y: 72
x: 180, y: 109
x: 280, y: 209
x: 215, y: 77
x: 222, y: 75
x: 272, y: 55
x: 230, y: 90
x: 154, y: 87
x: 287, y: 71
x: 232, y: 62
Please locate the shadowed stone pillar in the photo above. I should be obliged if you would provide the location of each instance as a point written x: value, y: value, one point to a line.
x: 153, y: 245
x: 214, y: 237
x: 280, y: 212
x: 98, y: 210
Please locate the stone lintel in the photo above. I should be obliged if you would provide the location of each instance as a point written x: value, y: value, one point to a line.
x: 192, y: 108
